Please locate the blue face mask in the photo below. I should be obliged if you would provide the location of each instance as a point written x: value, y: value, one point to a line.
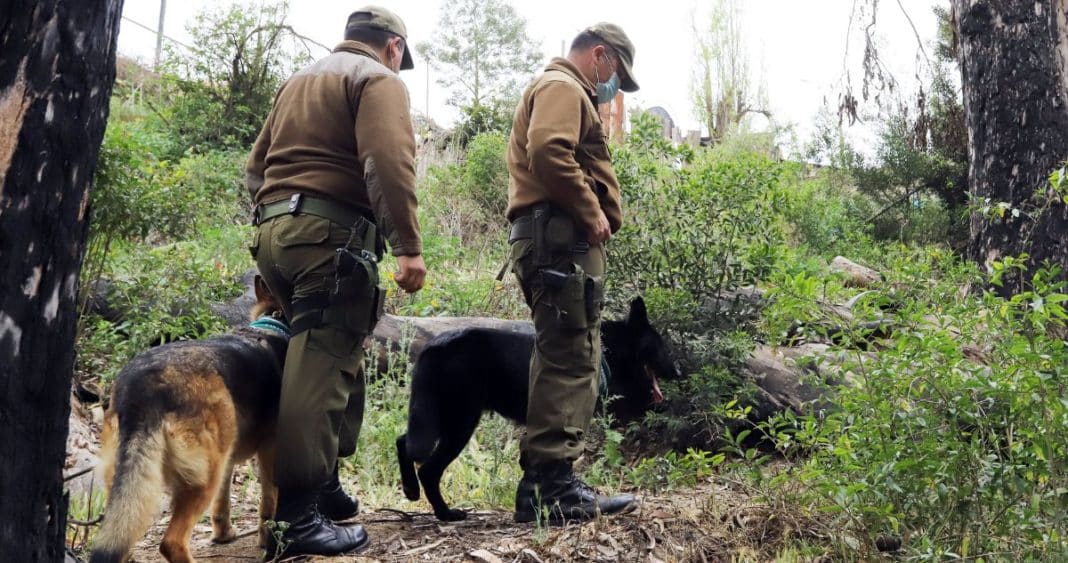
x: 606, y: 91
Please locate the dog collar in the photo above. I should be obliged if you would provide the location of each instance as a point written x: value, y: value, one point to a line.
x: 270, y: 323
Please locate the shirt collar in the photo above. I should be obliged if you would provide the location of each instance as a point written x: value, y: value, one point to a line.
x: 358, y: 48
x: 563, y: 65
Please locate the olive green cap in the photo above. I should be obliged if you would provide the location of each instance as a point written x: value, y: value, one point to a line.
x: 614, y: 36
x: 377, y: 17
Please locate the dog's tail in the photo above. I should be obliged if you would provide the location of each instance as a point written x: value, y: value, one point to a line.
x: 423, y: 408
x: 137, y: 461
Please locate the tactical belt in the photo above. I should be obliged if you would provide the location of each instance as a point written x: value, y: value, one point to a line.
x: 301, y: 203
x: 523, y: 228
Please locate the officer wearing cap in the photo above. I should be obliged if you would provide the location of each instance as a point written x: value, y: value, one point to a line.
x: 563, y: 203
x: 332, y: 175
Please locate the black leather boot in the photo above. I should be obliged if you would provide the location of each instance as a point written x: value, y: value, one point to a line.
x: 334, y: 502
x: 309, y: 533
x: 552, y: 492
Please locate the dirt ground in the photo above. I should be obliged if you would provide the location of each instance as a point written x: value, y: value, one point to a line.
x: 712, y: 522
x: 718, y: 520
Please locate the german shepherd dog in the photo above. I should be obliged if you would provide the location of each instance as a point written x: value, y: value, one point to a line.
x: 464, y: 372
x: 181, y: 415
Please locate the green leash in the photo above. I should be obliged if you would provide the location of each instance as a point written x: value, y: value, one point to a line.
x: 270, y: 323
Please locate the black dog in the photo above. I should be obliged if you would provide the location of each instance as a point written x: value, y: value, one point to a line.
x: 462, y: 373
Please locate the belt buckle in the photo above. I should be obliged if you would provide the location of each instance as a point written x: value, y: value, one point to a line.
x: 294, y: 203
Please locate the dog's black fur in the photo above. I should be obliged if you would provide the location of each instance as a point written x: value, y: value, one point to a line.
x: 462, y: 373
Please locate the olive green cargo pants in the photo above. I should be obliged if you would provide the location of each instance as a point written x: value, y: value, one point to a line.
x: 567, y: 350
x: 321, y: 406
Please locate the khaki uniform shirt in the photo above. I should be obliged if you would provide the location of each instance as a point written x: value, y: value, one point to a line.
x: 341, y: 130
x: 558, y: 150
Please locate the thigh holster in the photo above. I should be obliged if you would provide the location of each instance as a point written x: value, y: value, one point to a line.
x: 351, y: 298
x: 577, y: 297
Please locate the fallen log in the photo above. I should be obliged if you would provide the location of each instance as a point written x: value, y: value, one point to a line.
x: 782, y: 381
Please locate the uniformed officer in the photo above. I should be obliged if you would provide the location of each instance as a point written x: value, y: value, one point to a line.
x: 333, y: 177
x: 563, y: 202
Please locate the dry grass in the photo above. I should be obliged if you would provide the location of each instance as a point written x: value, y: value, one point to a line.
x: 715, y: 521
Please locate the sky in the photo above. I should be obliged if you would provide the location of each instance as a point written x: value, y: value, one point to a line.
x: 797, y: 48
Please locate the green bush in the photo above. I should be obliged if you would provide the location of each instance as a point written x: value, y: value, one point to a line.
x: 485, y: 174
x: 162, y: 294
x: 701, y: 223
x: 827, y: 215
x: 951, y: 436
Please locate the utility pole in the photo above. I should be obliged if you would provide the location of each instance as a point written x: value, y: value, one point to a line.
x: 159, y: 34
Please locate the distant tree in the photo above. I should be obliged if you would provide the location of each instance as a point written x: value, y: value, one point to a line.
x: 722, y: 89
x: 484, y: 55
x: 229, y: 73
x: 56, y: 73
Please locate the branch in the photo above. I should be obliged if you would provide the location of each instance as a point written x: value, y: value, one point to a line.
x: 745, y: 110
x: 916, y: 33
x: 306, y: 39
x: 893, y: 204
x: 78, y: 473
x: 86, y: 523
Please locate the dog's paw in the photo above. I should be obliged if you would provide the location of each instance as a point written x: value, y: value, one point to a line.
x: 454, y: 515
x: 226, y: 535
x: 411, y: 493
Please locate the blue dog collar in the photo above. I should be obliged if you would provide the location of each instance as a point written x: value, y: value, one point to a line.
x: 270, y: 323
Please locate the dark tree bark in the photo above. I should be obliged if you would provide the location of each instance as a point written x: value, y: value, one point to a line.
x: 57, y: 65
x: 1013, y: 56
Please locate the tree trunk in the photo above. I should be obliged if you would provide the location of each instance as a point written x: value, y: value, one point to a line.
x: 1013, y: 56
x: 56, y: 71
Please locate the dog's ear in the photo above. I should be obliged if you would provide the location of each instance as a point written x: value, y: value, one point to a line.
x: 638, y: 315
x: 263, y: 293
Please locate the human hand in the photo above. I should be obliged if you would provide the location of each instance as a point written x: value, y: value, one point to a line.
x: 411, y: 273
x: 602, y: 231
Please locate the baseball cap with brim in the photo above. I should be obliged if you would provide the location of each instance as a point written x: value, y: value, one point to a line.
x: 614, y: 36
x: 376, y: 17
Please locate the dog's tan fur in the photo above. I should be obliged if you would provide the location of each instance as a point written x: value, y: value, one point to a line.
x: 190, y: 454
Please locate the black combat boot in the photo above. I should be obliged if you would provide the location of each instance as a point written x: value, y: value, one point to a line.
x: 553, y: 493
x: 334, y: 502
x: 308, y: 532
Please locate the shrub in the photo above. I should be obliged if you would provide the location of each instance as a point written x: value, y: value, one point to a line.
x: 827, y: 215
x: 700, y: 223
x: 162, y: 295
x: 485, y: 174
x: 952, y: 435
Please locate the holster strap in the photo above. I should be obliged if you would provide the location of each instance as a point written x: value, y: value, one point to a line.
x: 308, y: 312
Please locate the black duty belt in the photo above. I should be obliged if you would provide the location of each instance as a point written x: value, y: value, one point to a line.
x: 304, y: 204
x: 523, y: 228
